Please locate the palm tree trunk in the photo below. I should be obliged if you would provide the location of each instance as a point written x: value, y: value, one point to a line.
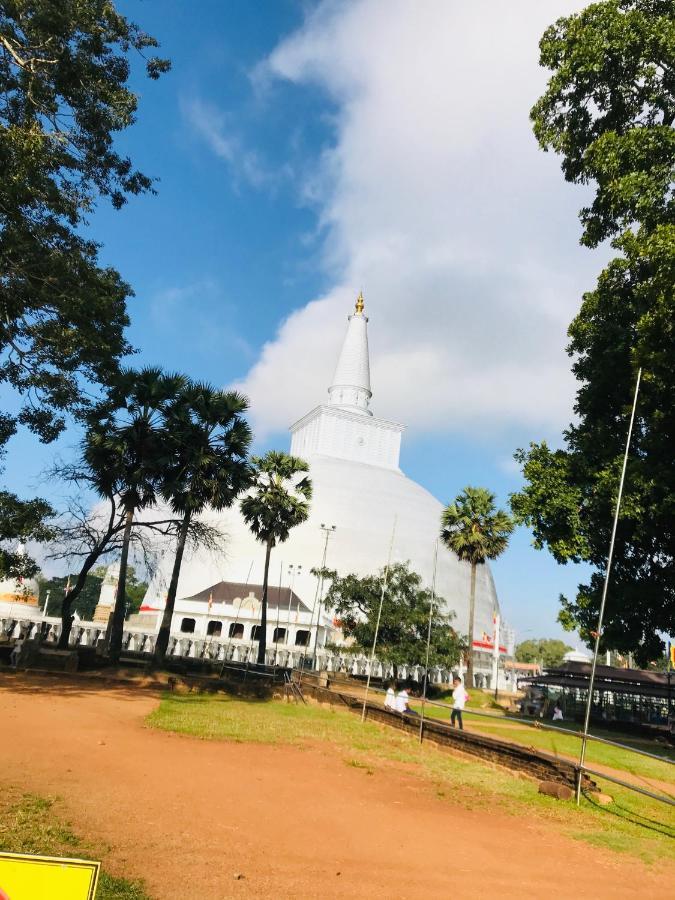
x: 262, y: 638
x: 472, y: 616
x: 165, y: 628
x: 117, y: 625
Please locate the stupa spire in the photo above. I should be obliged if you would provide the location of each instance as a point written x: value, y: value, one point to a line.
x: 351, y: 383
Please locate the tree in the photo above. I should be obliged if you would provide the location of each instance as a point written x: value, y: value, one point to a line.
x: 64, y: 71
x: 404, y: 623
x: 21, y: 521
x: 207, y: 467
x: 475, y: 532
x: 608, y: 110
x: 86, y: 535
x: 126, y: 453
x: 547, y: 651
x: 87, y: 600
x: 278, y: 501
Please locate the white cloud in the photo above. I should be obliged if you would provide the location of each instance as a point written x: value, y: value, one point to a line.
x: 437, y: 202
x: 210, y: 124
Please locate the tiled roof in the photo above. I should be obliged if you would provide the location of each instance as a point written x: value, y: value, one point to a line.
x: 234, y: 591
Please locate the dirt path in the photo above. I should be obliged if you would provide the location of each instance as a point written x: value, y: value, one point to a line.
x: 187, y: 815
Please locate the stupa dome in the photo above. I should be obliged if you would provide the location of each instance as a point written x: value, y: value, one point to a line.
x: 358, y: 488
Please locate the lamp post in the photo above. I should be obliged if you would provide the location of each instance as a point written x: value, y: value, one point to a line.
x: 293, y: 570
x: 327, y: 530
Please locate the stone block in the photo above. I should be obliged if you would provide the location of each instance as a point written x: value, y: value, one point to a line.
x: 554, y: 789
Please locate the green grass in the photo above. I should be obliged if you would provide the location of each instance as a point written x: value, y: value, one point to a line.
x: 632, y: 824
x: 559, y: 743
x: 29, y: 824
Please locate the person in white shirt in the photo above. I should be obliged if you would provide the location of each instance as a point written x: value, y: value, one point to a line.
x: 402, y: 701
x: 390, y: 698
x: 557, y: 712
x: 16, y: 652
x: 402, y: 704
x: 459, y: 698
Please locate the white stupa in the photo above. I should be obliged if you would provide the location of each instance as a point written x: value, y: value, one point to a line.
x: 358, y: 488
x: 19, y: 596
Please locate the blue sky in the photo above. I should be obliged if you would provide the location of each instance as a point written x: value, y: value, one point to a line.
x: 307, y: 150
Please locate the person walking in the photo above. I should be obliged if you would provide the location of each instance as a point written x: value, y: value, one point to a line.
x: 459, y: 698
x: 16, y: 652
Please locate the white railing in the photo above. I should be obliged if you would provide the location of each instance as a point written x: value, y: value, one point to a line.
x: 217, y: 649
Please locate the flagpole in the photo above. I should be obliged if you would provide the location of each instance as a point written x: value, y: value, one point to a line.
x: 276, y: 642
x: 236, y: 618
x: 598, y: 633
x: 426, y: 662
x: 385, y: 579
x: 294, y: 570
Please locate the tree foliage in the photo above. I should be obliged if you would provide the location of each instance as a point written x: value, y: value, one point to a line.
x: 206, y: 445
x: 277, y: 502
x: 126, y: 452
x: 476, y: 532
x: 548, y: 651
x: 82, y: 537
x: 64, y: 95
x: 473, y: 528
x: 21, y: 521
x: 609, y: 110
x: 404, y: 624
x: 64, y: 71
x: 86, y: 602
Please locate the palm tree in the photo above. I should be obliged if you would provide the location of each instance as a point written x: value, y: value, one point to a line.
x: 208, y: 442
x: 125, y: 454
x: 475, y: 531
x: 279, y: 501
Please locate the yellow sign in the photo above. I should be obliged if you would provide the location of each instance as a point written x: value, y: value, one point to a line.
x: 24, y: 877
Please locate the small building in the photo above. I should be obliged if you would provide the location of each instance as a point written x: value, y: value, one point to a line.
x: 627, y: 697
x: 230, y: 610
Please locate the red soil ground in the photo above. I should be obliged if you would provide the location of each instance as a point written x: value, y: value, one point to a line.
x: 189, y: 815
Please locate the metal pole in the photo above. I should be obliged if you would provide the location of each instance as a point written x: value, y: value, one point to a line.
x: 385, y: 578
x: 495, y: 652
x: 293, y: 570
x: 276, y: 642
x: 328, y: 530
x: 233, y: 625
x: 426, y: 661
x: 584, y: 740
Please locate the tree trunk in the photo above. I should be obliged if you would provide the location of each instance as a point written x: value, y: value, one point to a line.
x: 117, y: 625
x: 165, y: 628
x: 262, y: 638
x: 472, y: 616
x: 74, y: 592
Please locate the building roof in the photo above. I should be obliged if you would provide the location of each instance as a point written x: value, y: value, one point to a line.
x: 521, y: 666
x: 607, y: 678
x: 234, y: 591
